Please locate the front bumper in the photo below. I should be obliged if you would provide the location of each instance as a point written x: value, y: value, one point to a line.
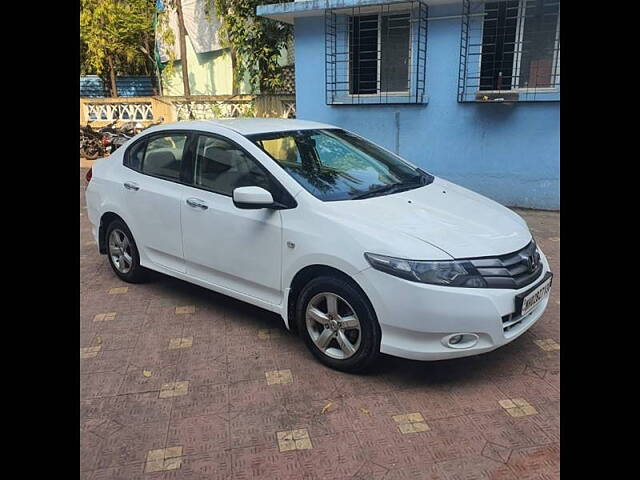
x: 415, y: 318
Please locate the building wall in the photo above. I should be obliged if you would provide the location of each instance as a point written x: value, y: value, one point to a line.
x: 510, y: 153
x: 210, y: 73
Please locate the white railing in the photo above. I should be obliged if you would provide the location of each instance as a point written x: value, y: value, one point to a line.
x: 289, y: 109
x: 170, y: 109
x: 110, y: 112
x: 203, y: 109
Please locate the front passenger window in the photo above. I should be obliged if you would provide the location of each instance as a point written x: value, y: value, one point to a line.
x: 163, y: 156
x: 221, y: 167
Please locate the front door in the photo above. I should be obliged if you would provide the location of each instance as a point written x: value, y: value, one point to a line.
x: 224, y: 245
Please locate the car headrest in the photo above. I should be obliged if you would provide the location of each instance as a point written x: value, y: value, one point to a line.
x: 160, y: 158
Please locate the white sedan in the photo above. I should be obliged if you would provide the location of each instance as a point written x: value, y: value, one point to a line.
x: 357, y: 249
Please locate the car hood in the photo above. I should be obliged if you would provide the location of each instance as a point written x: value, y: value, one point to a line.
x: 455, y: 220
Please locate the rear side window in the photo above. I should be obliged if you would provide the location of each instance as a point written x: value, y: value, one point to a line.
x: 222, y: 167
x: 163, y: 156
x: 133, y: 159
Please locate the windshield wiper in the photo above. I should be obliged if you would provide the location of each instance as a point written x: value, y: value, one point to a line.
x: 390, y: 188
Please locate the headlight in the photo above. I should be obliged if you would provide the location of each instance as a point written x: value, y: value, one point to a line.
x: 447, y: 272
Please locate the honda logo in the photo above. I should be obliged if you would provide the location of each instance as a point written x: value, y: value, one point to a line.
x: 532, y: 260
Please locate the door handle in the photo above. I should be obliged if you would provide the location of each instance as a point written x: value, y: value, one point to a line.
x: 131, y: 186
x: 196, y: 203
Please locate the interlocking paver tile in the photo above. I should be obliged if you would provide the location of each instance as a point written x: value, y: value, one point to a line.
x: 130, y: 409
x: 279, y: 377
x: 164, y: 459
x: 210, y: 466
x: 432, y: 403
x: 90, y: 445
x: 344, y: 451
x: 511, y: 432
x: 185, y: 309
x: 547, y: 345
x: 251, y: 428
x: 146, y: 378
x: 181, y: 342
x: 451, y: 438
x: 476, y: 467
x: 102, y: 317
x: 266, y: 333
x: 411, y: 423
x: 322, y: 417
x: 118, y: 290
x: 536, y: 462
x: 202, y: 400
x: 126, y: 472
x: 105, y: 361
x: 199, y: 435
x: 202, y: 372
x: 90, y: 352
x: 263, y: 462
x: 394, y: 451
x: 130, y: 444
x: 294, y: 440
x: 101, y: 384
x: 174, y: 389
x: 517, y: 407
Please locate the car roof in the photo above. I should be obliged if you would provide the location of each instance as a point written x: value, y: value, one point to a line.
x: 248, y: 126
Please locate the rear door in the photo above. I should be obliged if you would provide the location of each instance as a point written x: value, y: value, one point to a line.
x: 224, y: 245
x: 153, y: 191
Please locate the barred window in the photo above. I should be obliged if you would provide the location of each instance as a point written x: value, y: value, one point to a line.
x: 376, y: 54
x: 510, y: 51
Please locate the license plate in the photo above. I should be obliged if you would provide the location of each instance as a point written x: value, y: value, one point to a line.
x: 533, y: 297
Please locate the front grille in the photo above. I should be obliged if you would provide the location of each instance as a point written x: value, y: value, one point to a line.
x: 510, y: 321
x: 513, y: 270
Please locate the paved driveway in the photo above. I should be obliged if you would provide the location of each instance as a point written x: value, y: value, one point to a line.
x: 180, y: 382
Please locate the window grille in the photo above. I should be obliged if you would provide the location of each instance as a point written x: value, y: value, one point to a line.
x: 376, y: 54
x: 509, y: 51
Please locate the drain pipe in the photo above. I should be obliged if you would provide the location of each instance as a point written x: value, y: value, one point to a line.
x: 397, y: 121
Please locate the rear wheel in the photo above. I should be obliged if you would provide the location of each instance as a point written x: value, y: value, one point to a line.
x: 338, y: 324
x: 123, y: 253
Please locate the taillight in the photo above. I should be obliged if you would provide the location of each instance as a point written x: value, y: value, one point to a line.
x: 89, y: 175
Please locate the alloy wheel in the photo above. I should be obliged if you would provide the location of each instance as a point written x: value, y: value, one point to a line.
x: 120, y: 251
x: 333, y: 325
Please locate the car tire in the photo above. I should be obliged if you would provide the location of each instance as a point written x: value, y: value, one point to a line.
x: 327, y: 343
x: 131, y: 271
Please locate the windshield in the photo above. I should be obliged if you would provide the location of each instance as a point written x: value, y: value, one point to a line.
x: 333, y: 164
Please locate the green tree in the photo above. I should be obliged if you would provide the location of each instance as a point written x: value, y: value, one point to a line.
x: 116, y: 36
x: 255, y: 42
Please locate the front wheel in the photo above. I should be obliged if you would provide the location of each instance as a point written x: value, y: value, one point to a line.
x: 338, y: 324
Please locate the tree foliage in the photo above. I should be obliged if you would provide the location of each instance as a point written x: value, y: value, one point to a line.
x: 255, y: 42
x: 116, y: 37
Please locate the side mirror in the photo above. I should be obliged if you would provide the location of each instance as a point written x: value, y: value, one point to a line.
x: 252, y: 198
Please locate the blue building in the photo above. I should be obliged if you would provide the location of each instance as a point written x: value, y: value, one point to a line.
x: 469, y: 90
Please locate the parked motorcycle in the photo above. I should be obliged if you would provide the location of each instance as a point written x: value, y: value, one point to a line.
x: 109, y: 138
x: 91, y: 146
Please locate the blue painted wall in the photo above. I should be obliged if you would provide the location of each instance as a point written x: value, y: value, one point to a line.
x: 508, y: 153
